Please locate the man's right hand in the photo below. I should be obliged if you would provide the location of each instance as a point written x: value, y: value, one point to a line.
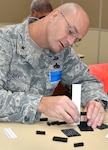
x: 60, y: 107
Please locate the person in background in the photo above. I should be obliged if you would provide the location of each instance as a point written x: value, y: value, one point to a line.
x: 40, y: 8
x: 35, y: 56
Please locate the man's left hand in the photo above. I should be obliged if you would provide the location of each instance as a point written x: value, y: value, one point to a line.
x: 95, y: 113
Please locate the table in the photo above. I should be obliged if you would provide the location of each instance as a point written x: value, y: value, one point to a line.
x: 27, y: 139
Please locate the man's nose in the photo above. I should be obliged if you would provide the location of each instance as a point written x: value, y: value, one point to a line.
x: 71, y: 40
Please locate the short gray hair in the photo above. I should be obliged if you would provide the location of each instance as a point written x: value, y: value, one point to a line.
x: 41, y: 6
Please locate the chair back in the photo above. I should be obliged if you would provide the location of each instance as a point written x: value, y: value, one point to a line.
x: 101, y: 72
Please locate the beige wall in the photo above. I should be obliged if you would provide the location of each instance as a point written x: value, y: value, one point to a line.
x: 13, y: 11
x: 96, y: 9
x: 94, y: 45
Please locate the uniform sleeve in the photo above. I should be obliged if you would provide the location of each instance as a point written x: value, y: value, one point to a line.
x: 76, y: 72
x: 14, y: 106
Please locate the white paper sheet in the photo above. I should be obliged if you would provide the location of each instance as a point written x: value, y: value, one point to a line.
x: 76, y: 96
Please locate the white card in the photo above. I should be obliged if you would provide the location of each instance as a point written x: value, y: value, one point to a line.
x: 76, y: 96
x: 9, y: 133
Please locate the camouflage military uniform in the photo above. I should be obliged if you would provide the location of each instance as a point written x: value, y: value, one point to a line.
x: 27, y: 72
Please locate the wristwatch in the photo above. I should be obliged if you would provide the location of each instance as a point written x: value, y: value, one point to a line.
x: 103, y: 102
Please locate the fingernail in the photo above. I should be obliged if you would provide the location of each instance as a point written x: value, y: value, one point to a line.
x: 89, y: 123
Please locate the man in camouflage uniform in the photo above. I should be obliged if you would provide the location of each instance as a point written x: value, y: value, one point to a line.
x: 34, y: 57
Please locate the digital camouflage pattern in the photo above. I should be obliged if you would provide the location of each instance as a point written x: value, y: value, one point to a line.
x: 28, y: 72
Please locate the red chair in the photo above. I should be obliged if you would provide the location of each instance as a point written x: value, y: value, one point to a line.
x: 101, y: 72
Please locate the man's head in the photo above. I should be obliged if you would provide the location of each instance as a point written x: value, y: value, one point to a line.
x: 40, y: 8
x: 63, y: 27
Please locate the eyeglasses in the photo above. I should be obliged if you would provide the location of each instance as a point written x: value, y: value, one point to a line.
x: 71, y: 30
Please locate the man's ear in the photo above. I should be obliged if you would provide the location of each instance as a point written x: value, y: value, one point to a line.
x: 54, y: 14
x: 34, y: 13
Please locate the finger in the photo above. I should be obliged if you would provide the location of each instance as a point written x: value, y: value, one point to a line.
x: 73, y: 112
x: 69, y: 112
x: 101, y: 120
x: 62, y: 114
x: 73, y: 117
x: 97, y: 116
x: 98, y: 120
x: 102, y: 113
x: 70, y: 116
x: 90, y: 111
